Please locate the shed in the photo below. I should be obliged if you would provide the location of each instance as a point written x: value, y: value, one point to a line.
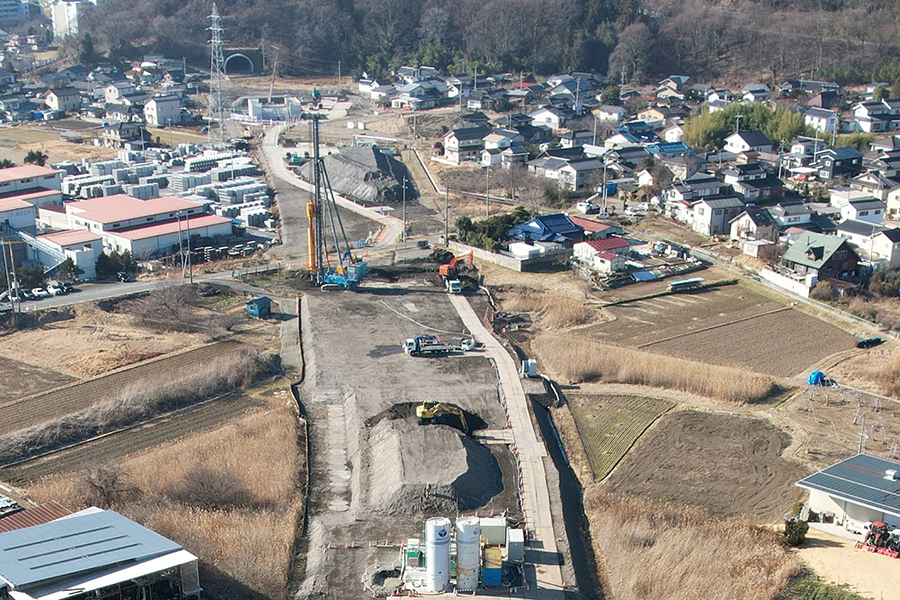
x: 856, y: 491
x: 260, y: 307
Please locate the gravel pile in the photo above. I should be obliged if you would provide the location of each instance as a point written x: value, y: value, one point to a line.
x: 365, y: 174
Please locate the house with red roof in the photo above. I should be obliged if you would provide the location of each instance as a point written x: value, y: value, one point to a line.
x: 605, y: 256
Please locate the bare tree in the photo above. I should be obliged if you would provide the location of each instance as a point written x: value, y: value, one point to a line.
x: 631, y: 53
x: 105, y: 485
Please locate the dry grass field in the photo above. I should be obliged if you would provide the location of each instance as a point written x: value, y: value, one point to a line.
x: 581, y: 359
x: 723, y: 464
x: 609, y: 425
x: 658, y: 551
x: 18, y: 379
x: 231, y: 495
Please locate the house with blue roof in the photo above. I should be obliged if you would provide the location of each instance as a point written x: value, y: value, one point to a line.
x: 856, y: 491
x: 557, y: 228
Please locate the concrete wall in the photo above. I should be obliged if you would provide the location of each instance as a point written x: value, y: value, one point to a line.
x: 511, y: 262
x: 792, y: 285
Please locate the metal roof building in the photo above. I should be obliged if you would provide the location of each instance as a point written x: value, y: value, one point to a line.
x: 97, y: 553
x: 856, y: 491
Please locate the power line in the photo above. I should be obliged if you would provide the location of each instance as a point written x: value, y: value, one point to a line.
x: 218, y: 100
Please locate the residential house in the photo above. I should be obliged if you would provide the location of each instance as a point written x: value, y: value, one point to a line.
x: 885, y: 248
x: 604, y: 255
x: 869, y: 210
x: 755, y: 92
x: 557, y: 228
x: 715, y: 106
x: 514, y: 156
x: 821, y: 119
x: 465, y: 144
x: 414, y: 74
x: 655, y: 116
x: 577, y: 175
x: 596, y: 230
x: 551, y: 116
x: 712, y: 216
x: 753, y: 184
x: 873, y: 117
x: 791, y: 214
x: 807, y: 147
x: 677, y: 83
x: 860, y: 234
x: 748, y: 141
x: 673, y: 134
x: 117, y: 135
x: 829, y: 100
x: 615, y: 114
x: 119, y: 112
x: 838, y: 162
x: 135, y: 100
x: 808, y: 86
x: 162, y: 111
x: 575, y: 139
x: 879, y: 186
x: 822, y: 256
x: 114, y: 91
x: 696, y: 186
x: 754, y: 224
x: 64, y: 99
x: 720, y: 95
x: 490, y: 157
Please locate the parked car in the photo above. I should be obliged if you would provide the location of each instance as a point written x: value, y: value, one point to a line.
x: 122, y: 276
x: 26, y: 294
x: 55, y: 289
x: 40, y: 293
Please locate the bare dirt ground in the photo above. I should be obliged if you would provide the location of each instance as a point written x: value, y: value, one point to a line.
x: 18, y: 379
x: 782, y: 343
x: 837, y: 560
x: 94, y: 342
x: 34, y: 410
x: 726, y: 465
x: 157, y: 432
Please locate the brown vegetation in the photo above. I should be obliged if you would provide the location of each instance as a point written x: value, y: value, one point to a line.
x: 550, y: 309
x: 657, y: 551
x: 142, y: 400
x: 177, y: 307
x: 581, y: 359
x: 245, y: 548
x: 878, y: 369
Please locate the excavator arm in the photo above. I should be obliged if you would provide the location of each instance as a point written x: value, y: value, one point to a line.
x: 427, y: 411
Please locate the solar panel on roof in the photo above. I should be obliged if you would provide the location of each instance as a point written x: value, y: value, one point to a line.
x: 860, y: 479
x: 76, y: 544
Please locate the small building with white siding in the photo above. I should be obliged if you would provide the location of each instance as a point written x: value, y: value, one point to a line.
x: 81, y: 245
x: 154, y: 240
x: 856, y: 491
x: 17, y: 214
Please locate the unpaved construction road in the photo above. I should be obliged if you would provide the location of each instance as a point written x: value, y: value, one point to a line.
x: 40, y: 408
x: 116, y: 445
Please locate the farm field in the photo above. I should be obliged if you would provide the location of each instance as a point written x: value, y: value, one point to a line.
x: 18, y: 379
x: 610, y: 425
x: 780, y: 343
x: 831, y: 419
x: 37, y: 409
x: 724, y: 464
x: 117, y: 446
x: 647, y: 321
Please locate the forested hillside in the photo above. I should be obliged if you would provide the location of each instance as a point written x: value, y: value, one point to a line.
x: 847, y: 40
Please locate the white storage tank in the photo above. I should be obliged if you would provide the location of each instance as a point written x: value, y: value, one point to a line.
x: 494, y: 530
x: 468, y: 553
x: 437, y: 554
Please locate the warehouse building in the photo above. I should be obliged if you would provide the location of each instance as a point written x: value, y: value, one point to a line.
x: 31, y: 183
x: 162, y: 238
x: 856, y: 491
x: 81, y: 245
x: 94, y: 554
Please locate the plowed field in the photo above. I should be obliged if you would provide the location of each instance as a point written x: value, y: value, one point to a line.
x: 37, y: 409
x: 151, y: 434
x: 18, y: 379
x: 724, y: 464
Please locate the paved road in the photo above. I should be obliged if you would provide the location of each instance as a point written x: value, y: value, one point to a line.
x: 542, y: 551
x: 293, y: 212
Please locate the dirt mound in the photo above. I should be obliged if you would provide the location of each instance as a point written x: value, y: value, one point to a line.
x: 366, y: 174
x: 406, y: 411
x: 727, y: 465
x: 428, y: 469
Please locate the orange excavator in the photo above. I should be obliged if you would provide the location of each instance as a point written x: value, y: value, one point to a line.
x: 448, y: 271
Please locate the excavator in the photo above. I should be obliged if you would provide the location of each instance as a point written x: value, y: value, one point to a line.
x: 448, y: 271
x: 429, y: 411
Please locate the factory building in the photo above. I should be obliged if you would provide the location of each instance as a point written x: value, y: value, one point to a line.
x: 93, y: 554
x: 31, y: 183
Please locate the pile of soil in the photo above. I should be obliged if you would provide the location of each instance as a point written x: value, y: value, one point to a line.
x: 365, y: 174
x: 415, y: 469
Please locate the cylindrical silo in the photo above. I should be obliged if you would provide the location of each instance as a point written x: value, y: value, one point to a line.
x: 468, y: 553
x: 437, y: 554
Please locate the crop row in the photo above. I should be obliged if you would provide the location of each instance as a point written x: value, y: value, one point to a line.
x: 610, y: 425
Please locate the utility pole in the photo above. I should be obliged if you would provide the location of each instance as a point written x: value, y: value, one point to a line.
x: 446, y: 214
x: 403, y: 233
x: 487, y: 193
x: 187, y: 220
x: 781, y: 158
x: 737, y: 122
x: 180, y: 244
x: 862, y: 434
x: 339, y: 73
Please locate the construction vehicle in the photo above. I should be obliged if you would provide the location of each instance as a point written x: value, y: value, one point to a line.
x: 324, y: 219
x: 428, y: 412
x: 449, y: 272
x: 423, y: 345
x: 879, y: 538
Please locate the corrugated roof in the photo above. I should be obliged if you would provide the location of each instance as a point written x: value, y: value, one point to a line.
x: 14, y: 204
x: 861, y: 480
x: 610, y: 243
x: 142, y: 233
x: 77, y: 544
x: 68, y: 238
x: 119, y: 207
x: 25, y: 171
x: 30, y: 517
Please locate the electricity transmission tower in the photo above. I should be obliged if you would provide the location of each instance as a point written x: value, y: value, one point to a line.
x: 218, y: 91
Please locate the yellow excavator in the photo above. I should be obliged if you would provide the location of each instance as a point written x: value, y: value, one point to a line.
x: 429, y: 411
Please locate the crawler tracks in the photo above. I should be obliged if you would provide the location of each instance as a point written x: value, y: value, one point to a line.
x: 42, y: 407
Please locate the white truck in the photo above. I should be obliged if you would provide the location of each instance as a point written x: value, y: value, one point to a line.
x: 454, y: 286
